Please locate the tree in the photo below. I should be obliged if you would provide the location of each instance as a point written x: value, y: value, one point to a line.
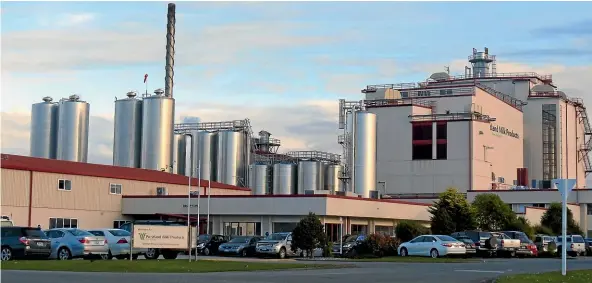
x: 523, y: 225
x: 451, y: 213
x: 492, y: 213
x: 407, y: 230
x: 552, y: 220
x: 308, y: 234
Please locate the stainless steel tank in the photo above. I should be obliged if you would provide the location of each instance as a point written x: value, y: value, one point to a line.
x: 127, y: 137
x: 204, y: 154
x: 158, y: 113
x: 179, y: 151
x: 332, y: 182
x: 284, y: 179
x: 73, y: 119
x: 365, y: 153
x: 44, y: 129
x: 259, y: 179
x: 310, y: 176
x: 230, y: 158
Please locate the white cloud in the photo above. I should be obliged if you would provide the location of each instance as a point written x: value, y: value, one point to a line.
x: 75, y: 19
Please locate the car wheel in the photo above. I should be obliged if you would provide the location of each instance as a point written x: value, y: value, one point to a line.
x: 434, y: 253
x: 404, y: 252
x: 64, y: 254
x: 206, y: 251
x: 151, y: 254
x: 6, y: 254
x: 170, y: 255
x: 282, y: 253
x: 108, y: 256
x: 244, y: 253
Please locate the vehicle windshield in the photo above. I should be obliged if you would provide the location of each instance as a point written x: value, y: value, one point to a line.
x: 446, y: 238
x: 79, y: 233
x: 240, y: 240
x: 567, y: 239
x: 276, y: 237
x: 6, y: 223
x: 204, y: 238
x: 120, y: 233
x: 351, y: 238
x: 578, y: 240
x: 34, y: 233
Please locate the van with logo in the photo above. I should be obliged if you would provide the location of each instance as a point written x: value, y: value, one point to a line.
x: 155, y: 253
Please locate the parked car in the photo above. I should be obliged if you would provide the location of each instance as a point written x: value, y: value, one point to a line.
x: 119, y: 242
x: 278, y: 244
x: 542, y: 243
x: 575, y: 245
x: 588, y: 246
x: 68, y: 243
x: 6, y: 222
x: 347, y: 244
x: 433, y: 246
x: 469, y: 245
x: 526, y: 245
x: 23, y: 242
x: 505, y: 245
x: 242, y: 245
x: 209, y: 244
x: 155, y: 253
x: 482, y: 241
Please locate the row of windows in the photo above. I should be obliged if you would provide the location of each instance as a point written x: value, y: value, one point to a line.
x: 63, y: 223
x: 405, y: 94
x: 66, y: 185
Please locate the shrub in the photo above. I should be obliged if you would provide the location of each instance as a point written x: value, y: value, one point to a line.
x: 407, y: 230
x: 375, y: 245
x: 539, y: 229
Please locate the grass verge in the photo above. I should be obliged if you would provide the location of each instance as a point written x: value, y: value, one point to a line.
x: 575, y: 276
x: 412, y: 259
x: 155, y: 266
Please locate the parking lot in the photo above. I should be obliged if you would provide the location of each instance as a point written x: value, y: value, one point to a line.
x: 479, y: 271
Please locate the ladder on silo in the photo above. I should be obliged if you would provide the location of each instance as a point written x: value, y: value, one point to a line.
x: 586, y: 147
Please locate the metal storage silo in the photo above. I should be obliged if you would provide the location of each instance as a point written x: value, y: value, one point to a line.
x: 158, y: 113
x: 259, y: 179
x: 179, y: 151
x: 73, y: 119
x: 284, y: 179
x: 204, y: 154
x: 127, y: 138
x: 230, y: 158
x: 310, y: 176
x: 44, y: 129
x: 365, y: 153
x: 332, y: 182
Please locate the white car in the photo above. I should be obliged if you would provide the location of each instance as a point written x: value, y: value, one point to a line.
x: 575, y: 245
x: 433, y: 246
x: 119, y: 242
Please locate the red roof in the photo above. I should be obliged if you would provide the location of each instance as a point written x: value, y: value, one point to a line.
x: 18, y: 162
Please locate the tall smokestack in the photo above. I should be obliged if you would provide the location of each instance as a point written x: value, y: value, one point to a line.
x: 170, y: 52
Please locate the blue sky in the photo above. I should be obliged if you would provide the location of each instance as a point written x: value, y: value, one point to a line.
x: 284, y: 65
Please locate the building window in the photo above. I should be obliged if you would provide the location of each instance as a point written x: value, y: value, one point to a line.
x: 64, y: 185
x: 589, y: 206
x: 441, y: 151
x: 117, y: 223
x: 423, y: 93
x: 445, y: 91
x: 422, y: 141
x: 384, y: 230
x: 549, y: 125
x: 242, y: 228
x: 422, y: 132
x: 442, y: 139
x: 115, y: 189
x: 63, y: 223
x: 421, y: 152
x: 404, y: 94
x: 541, y: 205
x: 359, y: 229
x: 333, y: 231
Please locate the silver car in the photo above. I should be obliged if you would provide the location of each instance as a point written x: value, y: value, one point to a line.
x: 119, y: 242
x: 68, y: 243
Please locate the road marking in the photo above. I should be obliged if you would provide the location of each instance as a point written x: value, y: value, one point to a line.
x: 479, y: 271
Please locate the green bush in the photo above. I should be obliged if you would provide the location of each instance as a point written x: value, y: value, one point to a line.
x: 375, y: 245
x: 407, y: 230
x: 328, y: 249
x: 539, y: 229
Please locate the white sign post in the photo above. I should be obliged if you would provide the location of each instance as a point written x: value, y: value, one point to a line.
x: 564, y: 186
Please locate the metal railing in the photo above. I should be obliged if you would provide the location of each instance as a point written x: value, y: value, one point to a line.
x: 459, y: 116
x: 315, y: 155
x: 395, y: 102
x: 414, y: 195
x: 516, y: 103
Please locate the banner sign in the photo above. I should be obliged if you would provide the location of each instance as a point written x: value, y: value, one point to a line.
x: 163, y: 237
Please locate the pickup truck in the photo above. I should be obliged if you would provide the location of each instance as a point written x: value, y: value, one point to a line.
x: 527, y: 247
x: 506, y: 245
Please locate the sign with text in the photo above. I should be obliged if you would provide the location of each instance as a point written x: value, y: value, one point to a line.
x: 503, y: 130
x: 163, y: 237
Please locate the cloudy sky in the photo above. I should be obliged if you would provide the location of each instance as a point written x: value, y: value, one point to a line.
x: 283, y: 65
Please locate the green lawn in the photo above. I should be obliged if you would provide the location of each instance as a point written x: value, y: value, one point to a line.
x: 413, y: 259
x: 155, y: 266
x: 576, y: 276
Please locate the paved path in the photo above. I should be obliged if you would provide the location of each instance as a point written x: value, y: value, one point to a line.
x: 364, y: 272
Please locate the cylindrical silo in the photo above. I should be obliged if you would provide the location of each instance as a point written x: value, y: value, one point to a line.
x: 73, y: 119
x: 179, y: 151
x: 259, y: 179
x: 230, y: 158
x: 310, y: 176
x: 204, y: 154
x: 127, y: 138
x: 365, y: 153
x: 188, y: 154
x: 332, y: 181
x: 349, y: 158
x: 158, y: 113
x: 44, y: 129
x: 284, y: 179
